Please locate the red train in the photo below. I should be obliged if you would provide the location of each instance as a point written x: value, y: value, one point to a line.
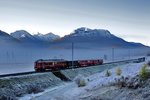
x: 58, y: 64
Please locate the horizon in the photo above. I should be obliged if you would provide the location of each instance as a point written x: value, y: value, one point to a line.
x: 126, y: 19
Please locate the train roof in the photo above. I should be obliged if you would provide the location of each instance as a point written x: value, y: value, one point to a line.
x: 60, y: 60
x: 50, y: 60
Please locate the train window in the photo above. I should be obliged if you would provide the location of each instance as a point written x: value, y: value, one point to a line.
x: 50, y: 63
x: 38, y: 64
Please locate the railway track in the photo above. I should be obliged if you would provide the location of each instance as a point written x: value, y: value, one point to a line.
x: 33, y: 72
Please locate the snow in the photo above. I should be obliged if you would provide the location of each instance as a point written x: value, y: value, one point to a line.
x: 21, y: 34
x: 30, y: 96
x: 83, y: 31
x: 38, y: 34
x: 100, y: 79
x: 46, y: 37
x: 70, y: 91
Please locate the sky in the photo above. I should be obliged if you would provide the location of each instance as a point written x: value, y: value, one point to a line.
x: 128, y: 19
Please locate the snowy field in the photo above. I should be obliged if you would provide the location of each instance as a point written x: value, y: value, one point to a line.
x: 70, y: 91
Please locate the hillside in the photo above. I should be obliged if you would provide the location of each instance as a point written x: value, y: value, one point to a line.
x: 94, y: 38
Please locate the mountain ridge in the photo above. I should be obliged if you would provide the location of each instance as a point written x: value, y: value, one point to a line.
x: 83, y: 37
x: 46, y: 37
x: 86, y: 38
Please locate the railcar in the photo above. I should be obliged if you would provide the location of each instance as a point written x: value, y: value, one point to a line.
x: 58, y: 64
x: 84, y: 63
x: 51, y: 64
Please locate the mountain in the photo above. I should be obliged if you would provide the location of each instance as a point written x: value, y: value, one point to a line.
x: 86, y: 32
x: 24, y: 36
x: 94, y: 38
x: 7, y: 41
x: 46, y: 37
x: 5, y: 37
x: 81, y: 37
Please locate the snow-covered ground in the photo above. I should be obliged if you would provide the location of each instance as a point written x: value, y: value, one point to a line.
x: 70, y: 91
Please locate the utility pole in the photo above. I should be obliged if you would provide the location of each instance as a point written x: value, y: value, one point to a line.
x: 72, y: 54
x: 112, y: 54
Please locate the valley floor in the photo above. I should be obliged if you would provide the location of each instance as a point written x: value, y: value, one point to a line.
x: 97, y: 88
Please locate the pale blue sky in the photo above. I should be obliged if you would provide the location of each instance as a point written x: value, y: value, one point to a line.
x: 128, y: 19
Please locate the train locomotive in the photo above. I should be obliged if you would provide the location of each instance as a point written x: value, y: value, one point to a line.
x: 59, y: 64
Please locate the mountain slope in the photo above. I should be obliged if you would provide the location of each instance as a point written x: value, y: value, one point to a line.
x: 94, y: 38
x: 24, y: 36
x: 46, y: 37
x: 5, y: 37
x: 7, y: 41
x: 81, y: 37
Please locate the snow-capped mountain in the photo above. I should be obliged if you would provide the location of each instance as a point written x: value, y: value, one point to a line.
x: 46, y: 37
x: 82, y: 37
x: 94, y: 38
x: 23, y: 35
x: 89, y: 32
